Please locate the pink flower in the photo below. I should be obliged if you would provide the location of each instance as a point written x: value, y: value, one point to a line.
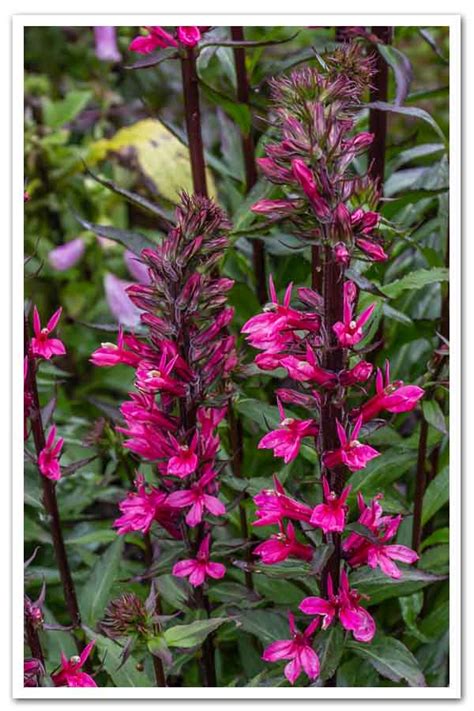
x: 119, y: 302
x: 349, y: 331
x: 308, y: 369
x: 283, y: 545
x: 304, y: 176
x: 367, y: 551
x: 331, y: 515
x: 345, y: 605
x: 71, y: 673
x: 198, y: 499
x: 66, y: 255
x: 364, y: 222
x: 110, y: 354
x: 393, y: 397
x: 351, y: 453
x: 106, y: 48
x: 157, y: 38
x: 42, y: 346
x: 197, y: 569
x: 185, y: 461
x: 358, y: 374
x: 152, y: 377
x: 189, y: 36
x: 141, y: 507
x: 136, y: 267
x: 286, y: 440
x: 274, y: 208
x: 298, y: 650
x: 374, y: 250
x: 341, y: 253
x: 48, y: 460
x: 273, y: 505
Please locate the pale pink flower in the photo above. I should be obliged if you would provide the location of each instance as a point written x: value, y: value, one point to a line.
x: 345, y: 605
x: 197, y: 569
x: 67, y: 255
x: 198, y: 499
x: 283, y: 545
x: 42, y: 346
x: 137, y: 267
x: 70, y: 673
x: 48, y: 459
x: 106, y: 48
x: 331, y: 515
x: 119, y: 302
x: 393, y: 397
x: 298, y: 650
x: 286, y: 440
x: 273, y: 505
x: 351, y: 453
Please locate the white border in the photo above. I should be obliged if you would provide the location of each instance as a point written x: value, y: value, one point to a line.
x: 454, y: 690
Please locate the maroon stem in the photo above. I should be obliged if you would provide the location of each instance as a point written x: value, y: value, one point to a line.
x: 34, y: 643
x: 378, y: 119
x: 420, y: 486
x: 193, y: 120
x: 158, y: 668
x: 49, y: 491
x: 248, y: 150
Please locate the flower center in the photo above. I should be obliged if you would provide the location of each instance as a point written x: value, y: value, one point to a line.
x: 287, y: 421
x: 112, y: 346
x: 353, y: 325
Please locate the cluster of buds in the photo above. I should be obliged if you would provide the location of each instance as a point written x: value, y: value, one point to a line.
x: 317, y: 342
x: 159, y: 38
x: 181, y: 381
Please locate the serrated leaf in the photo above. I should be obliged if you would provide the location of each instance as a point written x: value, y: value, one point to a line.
x: 95, y: 594
x: 186, y: 636
x: 415, y: 280
x: 391, y: 659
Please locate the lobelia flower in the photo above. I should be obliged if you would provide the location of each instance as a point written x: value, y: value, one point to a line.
x: 157, y: 377
x: 48, y: 459
x: 197, y: 569
x: 274, y: 208
x: 185, y: 462
x: 67, y: 255
x: 351, y: 453
x: 372, y: 249
x: 189, y: 36
x: 273, y: 505
x: 360, y: 373
x: 42, y: 346
x: 33, y: 670
x: 349, y: 332
x: 197, y: 498
x: 345, y: 606
x: 158, y: 38
x: 341, y: 253
x: 110, y: 354
x: 106, y: 48
x: 393, y: 397
x: 286, y: 440
x: 141, y: 507
x: 119, y: 302
x: 136, y: 267
x: 331, y: 515
x: 298, y: 650
x: 70, y: 673
x: 283, y: 545
x: 305, y: 178
x: 308, y: 369
x: 367, y: 551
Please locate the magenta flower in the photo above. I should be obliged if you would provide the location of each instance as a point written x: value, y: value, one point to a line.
x: 308, y: 369
x: 119, y: 302
x: 33, y: 670
x: 110, y: 354
x: 286, y: 440
x: 67, y: 255
x: 106, y: 48
x: 331, y: 515
x: 358, y: 374
x: 189, y: 36
x: 197, y: 569
x: 341, y: 253
x: 345, y: 605
x: 305, y: 178
x: 48, y: 459
x: 157, y: 38
x: 42, y: 346
x: 298, y: 650
x: 283, y: 545
x: 185, y: 461
x: 70, y: 673
x: 273, y: 505
x: 141, y: 507
x: 152, y: 377
x: 393, y: 397
x: 351, y: 453
x: 372, y: 249
x: 197, y: 498
x: 364, y: 222
x: 363, y: 550
x: 274, y: 208
x: 349, y: 331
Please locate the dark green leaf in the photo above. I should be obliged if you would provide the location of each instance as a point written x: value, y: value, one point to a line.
x: 95, y: 594
x: 391, y: 659
x: 186, y: 636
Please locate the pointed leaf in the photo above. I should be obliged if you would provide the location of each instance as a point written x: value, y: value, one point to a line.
x: 186, y: 636
x: 95, y: 594
x: 391, y: 659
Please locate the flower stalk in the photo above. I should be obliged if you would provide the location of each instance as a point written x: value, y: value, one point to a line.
x: 192, y: 112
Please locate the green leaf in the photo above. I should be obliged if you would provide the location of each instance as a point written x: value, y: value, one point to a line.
x: 186, y: 636
x: 123, y: 675
x: 240, y: 113
x: 267, y: 625
x: 411, y: 111
x: 134, y: 241
x: 434, y: 415
x: 382, y: 471
x: 96, y: 592
x: 391, y: 659
x: 57, y: 113
x: 330, y: 647
x: 414, y: 153
x: 436, y: 495
x: 158, y: 647
x: 402, y: 70
x: 439, y: 536
x: 415, y: 280
x: 380, y: 587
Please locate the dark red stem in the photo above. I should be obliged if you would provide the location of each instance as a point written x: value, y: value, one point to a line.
x: 193, y: 120
x: 420, y: 486
x: 248, y: 150
x: 378, y: 119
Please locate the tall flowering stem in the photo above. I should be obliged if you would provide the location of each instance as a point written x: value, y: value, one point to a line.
x: 328, y: 206
x: 248, y: 151
x: 378, y: 119
x: 192, y: 113
x: 48, y: 484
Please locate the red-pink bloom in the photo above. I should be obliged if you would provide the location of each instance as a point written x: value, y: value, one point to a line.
x: 157, y: 377
x: 198, y: 499
x: 331, y: 515
x: 188, y: 36
x: 372, y: 249
x: 157, y: 38
x: 351, y: 453
x: 185, y: 461
x: 308, y: 369
x: 349, y: 331
x: 298, y: 650
x: 358, y: 374
x: 364, y: 222
x: 393, y: 397
x: 286, y: 440
x: 33, y: 670
x: 67, y: 255
x: 48, y: 459
x: 304, y: 176
x: 197, y: 569
x: 42, y: 346
x: 367, y: 551
x: 141, y: 507
x: 70, y: 673
x: 341, y: 253
x: 345, y: 605
x: 274, y: 208
x: 273, y: 505
x: 283, y: 545
x: 110, y: 354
